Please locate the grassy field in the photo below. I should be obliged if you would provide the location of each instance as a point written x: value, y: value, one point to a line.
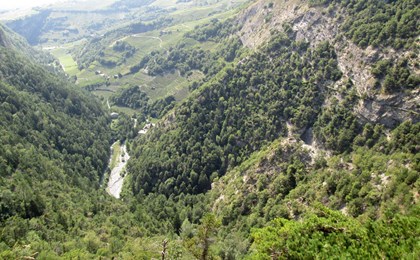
x: 104, y: 94
x: 66, y: 60
x: 126, y: 110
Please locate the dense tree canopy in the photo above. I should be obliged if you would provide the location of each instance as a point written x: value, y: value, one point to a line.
x: 236, y: 113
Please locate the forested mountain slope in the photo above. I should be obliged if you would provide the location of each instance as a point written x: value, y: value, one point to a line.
x: 375, y: 44
x: 53, y: 139
x: 332, y: 94
x: 299, y: 139
x: 54, y: 145
x: 11, y: 40
x: 45, y: 110
x: 289, y: 86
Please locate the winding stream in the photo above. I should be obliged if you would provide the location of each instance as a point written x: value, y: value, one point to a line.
x: 116, y: 178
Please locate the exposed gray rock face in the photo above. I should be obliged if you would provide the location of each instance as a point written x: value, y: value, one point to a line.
x: 390, y: 110
x: 316, y: 25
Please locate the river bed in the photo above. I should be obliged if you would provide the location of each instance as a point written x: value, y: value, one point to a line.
x: 117, y: 175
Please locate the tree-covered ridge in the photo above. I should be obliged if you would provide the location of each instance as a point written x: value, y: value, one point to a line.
x: 94, y: 49
x: 369, y: 181
x: 31, y: 28
x: 337, y: 126
x: 328, y: 234
x: 379, y: 23
x: 214, y: 31
x: 217, y: 120
x: 370, y: 186
x: 51, y: 115
x: 240, y: 110
x: 133, y: 97
x: 8, y: 39
x: 186, y: 58
x: 54, y: 147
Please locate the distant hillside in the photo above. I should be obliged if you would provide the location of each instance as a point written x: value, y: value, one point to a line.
x: 31, y: 28
x: 11, y: 40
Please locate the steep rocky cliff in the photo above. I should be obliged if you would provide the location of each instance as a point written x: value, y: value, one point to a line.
x: 289, y: 174
x: 316, y: 24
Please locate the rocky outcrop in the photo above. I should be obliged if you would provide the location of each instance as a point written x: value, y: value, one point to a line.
x: 318, y: 24
x: 260, y: 18
x: 390, y: 110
